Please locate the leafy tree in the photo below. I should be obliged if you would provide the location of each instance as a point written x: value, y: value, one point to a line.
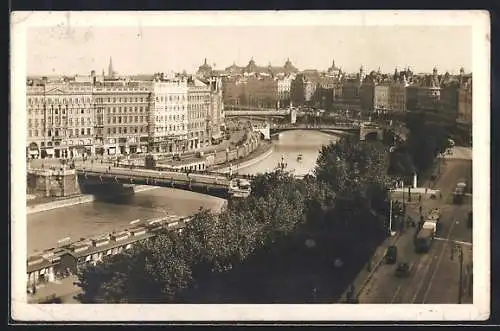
x: 153, y: 271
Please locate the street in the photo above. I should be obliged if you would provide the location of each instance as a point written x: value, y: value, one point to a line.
x: 436, y: 276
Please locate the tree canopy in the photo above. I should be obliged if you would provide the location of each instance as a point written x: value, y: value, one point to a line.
x: 350, y: 178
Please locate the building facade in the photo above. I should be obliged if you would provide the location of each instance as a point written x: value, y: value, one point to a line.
x: 121, y: 117
x: 465, y: 101
x: 168, y: 118
x: 284, y: 87
x: 262, y: 92
x: 199, y: 107
x: 397, y: 95
x: 60, y: 119
x: 449, y: 99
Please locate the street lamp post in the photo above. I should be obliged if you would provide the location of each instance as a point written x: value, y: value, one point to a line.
x: 392, y: 233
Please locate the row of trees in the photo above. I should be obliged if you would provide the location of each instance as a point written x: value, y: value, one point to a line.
x: 344, y: 199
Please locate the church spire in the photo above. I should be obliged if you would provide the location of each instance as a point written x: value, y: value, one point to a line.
x: 110, y: 67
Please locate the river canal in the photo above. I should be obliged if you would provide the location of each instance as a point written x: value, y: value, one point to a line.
x: 84, y: 220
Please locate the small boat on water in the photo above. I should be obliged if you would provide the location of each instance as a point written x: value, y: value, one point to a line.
x: 299, y: 157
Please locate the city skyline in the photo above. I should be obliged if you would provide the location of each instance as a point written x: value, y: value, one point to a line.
x: 87, y: 49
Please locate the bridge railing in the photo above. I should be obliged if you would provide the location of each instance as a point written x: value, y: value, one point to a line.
x: 181, y: 171
x: 151, y: 178
x: 160, y: 172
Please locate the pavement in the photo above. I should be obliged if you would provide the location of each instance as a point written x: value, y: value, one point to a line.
x: 234, y: 138
x: 459, y: 152
x: 434, y: 277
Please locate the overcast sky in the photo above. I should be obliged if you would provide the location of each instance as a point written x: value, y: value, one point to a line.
x: 62, y: 50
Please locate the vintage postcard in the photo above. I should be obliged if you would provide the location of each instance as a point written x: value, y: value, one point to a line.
x: 251, y: 166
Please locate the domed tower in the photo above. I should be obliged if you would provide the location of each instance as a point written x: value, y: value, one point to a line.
x: 434, y: 71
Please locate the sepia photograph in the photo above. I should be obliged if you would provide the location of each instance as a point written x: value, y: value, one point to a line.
x: 295, y: 165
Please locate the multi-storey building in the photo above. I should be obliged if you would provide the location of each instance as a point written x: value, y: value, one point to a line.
x: 198, y: 113
x: 261, y: 92
x: 465, y: 99
x: 350, y: 95
x: 425, y: 93
x: 234, y: 91
x: 60, y: 119
x: 374, y: 93
x: 168, y: 124
x: 412, y: 96
x: 121, y: 116
x: 449, y: 99
x: 284, y: 86
x: 303, y: 87
x: 397, y: 91
x: 216, y: 120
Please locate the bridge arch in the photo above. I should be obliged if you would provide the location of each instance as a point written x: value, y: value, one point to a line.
x: 370, y: 132
x: 371, y: 136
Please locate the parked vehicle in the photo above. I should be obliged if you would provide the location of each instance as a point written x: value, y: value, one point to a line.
x: 391, y: 256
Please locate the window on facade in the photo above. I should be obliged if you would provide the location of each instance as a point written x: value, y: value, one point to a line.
x: 109, y: 120
x: 82, y: 132
x: 125, y: 130
x: 114, y: 130
x: 109, y: 130
x: 88, y: 131
x: 120, y: 129
x: 49, y: 133
x: 114, y: 119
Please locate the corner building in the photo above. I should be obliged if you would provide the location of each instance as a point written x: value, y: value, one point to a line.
x: 60, y: 119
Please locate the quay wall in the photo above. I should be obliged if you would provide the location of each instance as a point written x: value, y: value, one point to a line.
x: 75, y: 201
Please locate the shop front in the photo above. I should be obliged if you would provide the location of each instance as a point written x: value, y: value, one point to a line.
x: 33, y: 151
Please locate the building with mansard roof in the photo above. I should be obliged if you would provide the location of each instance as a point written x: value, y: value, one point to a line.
x: 252, y: 69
